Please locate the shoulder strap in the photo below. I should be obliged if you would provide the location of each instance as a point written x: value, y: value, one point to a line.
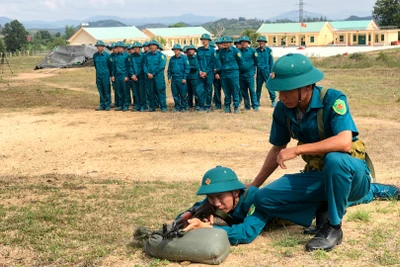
x: 320, y: 116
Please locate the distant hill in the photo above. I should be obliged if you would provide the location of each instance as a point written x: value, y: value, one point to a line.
x: 359, y: 18
x: 106, y: 23
x: 294, y: 16
x: 186, y: 18
x: 232, y: 27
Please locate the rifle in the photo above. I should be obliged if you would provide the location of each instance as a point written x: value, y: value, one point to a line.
x: 201, y: 212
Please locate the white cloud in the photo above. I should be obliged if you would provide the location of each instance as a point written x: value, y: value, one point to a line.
x: 54, y: 4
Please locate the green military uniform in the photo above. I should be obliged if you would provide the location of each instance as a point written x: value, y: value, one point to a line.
x: 217, y: 82
x: 194, y: 90
x: 206, y: 57
x: 103, y: 67
x: 155, y: 64
x: 265, y: 63
x: 178, y: 71
x: 112, y: 55
x: 231, y: 61
x: 120, y: 70
x: 139, y: 86
x: 336, y: 177
x: 247, y: 72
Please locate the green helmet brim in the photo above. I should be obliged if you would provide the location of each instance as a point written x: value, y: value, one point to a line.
x: 220, y: 188
x: 281, y: 84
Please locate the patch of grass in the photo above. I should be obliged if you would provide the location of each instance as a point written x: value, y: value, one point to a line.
x: 81, y: 221
x: 388, y: 259
x: 159, y: 262
x: 288, y: 241
x: 353, y: 254
x: 359, y: 215
x: 320, y: 255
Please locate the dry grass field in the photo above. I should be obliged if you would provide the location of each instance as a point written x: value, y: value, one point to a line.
x: 74, y: 182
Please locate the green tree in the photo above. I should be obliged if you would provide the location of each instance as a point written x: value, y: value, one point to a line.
x: 253, y: 35
x: 58, y: 34
x: 57, y: 42
x: 177, y: 25
x: 45, y: 35
x: 387, y: 12
x: 160, y: 40
x: 2, y: 46
x: 15, y: 35
x: 69, y: 31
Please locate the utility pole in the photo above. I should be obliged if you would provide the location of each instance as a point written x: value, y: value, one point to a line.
x: 301, y: 11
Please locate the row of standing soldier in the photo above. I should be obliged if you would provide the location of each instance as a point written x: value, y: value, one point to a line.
x: 192, y: 75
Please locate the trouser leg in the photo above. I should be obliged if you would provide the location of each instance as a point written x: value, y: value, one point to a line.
x: 199, y: 94
x: 100, y: 89
x: 161, y: 92
x: 175, y: 93
x: 346, y: 179
x: 151, y: 92
x: 227, y: 92
x: 183, y: 95
x: 217, y: 93
x: 253, y: 95
x: 245, y: 92
x: 234, y: 83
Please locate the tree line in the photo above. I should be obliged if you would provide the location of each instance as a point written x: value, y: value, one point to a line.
x: 385, y: 13
x: 17, y: 38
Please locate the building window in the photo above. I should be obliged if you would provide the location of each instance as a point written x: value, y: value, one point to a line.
x: 312, y: 39
x: 369, y: 38
x: 354, y: 38
x: 184, y: 42
x: 274, y: 40
x: 382, y: 37
x: 191, y: 42
x: 341, y: 38
x: 292, y: 40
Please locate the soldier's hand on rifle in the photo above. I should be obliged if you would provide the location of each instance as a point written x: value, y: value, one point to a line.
x: 195, y: 223
x: 210, y: 220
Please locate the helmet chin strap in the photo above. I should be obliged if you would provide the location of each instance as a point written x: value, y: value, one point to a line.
x: 299, y: 92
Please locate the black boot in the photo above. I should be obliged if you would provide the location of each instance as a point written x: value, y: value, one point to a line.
x: 327, y: 238
x: 321, y: 217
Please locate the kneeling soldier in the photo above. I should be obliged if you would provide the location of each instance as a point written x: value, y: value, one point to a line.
x: 234, y: 203
x: 178, y: 70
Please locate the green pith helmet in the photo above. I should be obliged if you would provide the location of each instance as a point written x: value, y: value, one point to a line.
x: 154, y: 42
x: 218, y: 41
x: 114, y: 45
x: 206, y: 36
x: 185, y: 48
x: 245, y: 39
x: 160, y: 47
x: 237, y: 41
x: 146, y: 44
x: 293, y: 71
x: 191, y: 47
x: 219, y: 179
x: 226, y: 39
x: 261, y: 39
x: 177, y: 47
x: 212, y: 44
x: 100, y: 43
x: 120, y: 44
x: 129, y: 46
x: 136, y: 44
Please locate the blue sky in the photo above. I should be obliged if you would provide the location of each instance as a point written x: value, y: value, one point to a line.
x: 50, y: 10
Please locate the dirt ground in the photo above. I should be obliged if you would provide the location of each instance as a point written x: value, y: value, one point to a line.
x: 62, y: 140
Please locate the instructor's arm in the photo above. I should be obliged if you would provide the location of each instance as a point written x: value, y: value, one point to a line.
x: 270, y: 165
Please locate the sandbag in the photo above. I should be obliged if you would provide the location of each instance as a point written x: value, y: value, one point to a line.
x: 205, y: 245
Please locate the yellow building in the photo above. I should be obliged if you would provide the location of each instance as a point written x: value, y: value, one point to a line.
x: 364, y: 32
x: 296, y: 34
x: 182, y: 36
x: 89, y: 36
